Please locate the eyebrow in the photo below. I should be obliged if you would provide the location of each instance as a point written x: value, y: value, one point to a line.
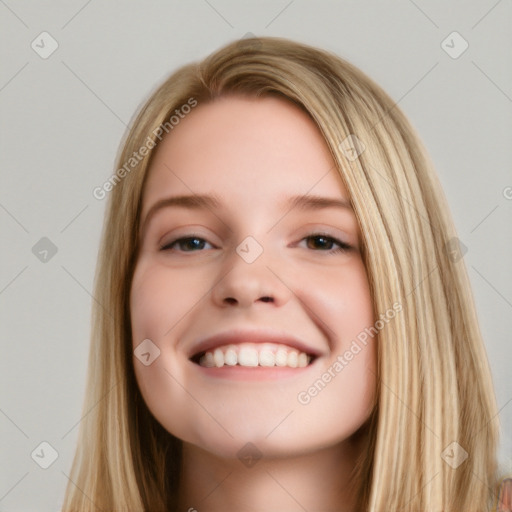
x: 304, y: 202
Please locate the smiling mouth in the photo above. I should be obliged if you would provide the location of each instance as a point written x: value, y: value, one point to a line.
x: 253, y: 355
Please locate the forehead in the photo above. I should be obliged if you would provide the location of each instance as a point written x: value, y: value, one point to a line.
x: 247, y: 150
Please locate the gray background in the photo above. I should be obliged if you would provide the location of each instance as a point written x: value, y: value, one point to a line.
x: 62, y: 121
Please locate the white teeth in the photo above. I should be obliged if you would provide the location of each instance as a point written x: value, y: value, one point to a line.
x: 281, y: 357
x: 293, y: 359
x: 230, y: 357
x: 267, y: 358
x: 218, y: 358
x: 207, y: 360
x: 268, y: 355
x: 303, y: 360
x: 248, y: 357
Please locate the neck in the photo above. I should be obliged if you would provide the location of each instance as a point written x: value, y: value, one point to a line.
x: 314, y: 481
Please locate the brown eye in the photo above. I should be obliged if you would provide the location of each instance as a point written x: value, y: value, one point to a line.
x: 325, y: 242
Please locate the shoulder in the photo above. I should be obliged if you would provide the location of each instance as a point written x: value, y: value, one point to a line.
x: 505, y: 496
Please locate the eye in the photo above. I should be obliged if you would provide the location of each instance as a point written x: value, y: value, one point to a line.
x: 316, y: 241
x: 325, y: 242
x: 187, y: 243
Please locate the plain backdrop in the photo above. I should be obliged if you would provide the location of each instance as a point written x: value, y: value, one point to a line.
x: 63, y: 116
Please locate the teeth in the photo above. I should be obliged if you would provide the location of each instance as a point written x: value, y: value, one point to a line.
x: 267, y: 358
x: 281, y: 357
x: 293, y: 359
x: 302, y: 360
x: 218, y: 358
x: 250, y: 356
x: 230, y: 357
x: 208, y: 360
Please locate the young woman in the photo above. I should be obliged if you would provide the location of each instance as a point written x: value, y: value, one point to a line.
x: 283, y: 317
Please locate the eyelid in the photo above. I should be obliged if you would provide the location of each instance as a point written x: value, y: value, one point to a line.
x: 187, y: 232
x: 187, y: 235
x: 330, y: 231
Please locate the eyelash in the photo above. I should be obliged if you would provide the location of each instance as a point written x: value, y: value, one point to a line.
x: 342, y: 246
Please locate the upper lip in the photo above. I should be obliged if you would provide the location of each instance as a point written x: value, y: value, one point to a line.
x: 237, y: 336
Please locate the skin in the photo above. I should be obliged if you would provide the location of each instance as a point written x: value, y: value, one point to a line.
x: 253, y: 154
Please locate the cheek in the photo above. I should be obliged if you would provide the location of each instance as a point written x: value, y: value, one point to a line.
x: 157, y: 303
x: 147, y: 305
x: 341, y: 299
x: 159, y: 298
x: 344, y: 389
x: 155, y: 307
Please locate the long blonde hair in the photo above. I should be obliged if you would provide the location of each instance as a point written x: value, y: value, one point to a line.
x: 436, y: 404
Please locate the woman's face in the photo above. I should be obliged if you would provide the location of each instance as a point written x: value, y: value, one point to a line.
x: 284, y: 282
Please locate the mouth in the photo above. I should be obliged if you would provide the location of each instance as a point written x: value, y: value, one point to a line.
x: 253, y: 356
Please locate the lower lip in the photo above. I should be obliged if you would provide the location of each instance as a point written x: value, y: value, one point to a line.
x: 256, y: 373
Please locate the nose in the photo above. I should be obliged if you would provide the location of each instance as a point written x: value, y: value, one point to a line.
x: 243, y: 284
